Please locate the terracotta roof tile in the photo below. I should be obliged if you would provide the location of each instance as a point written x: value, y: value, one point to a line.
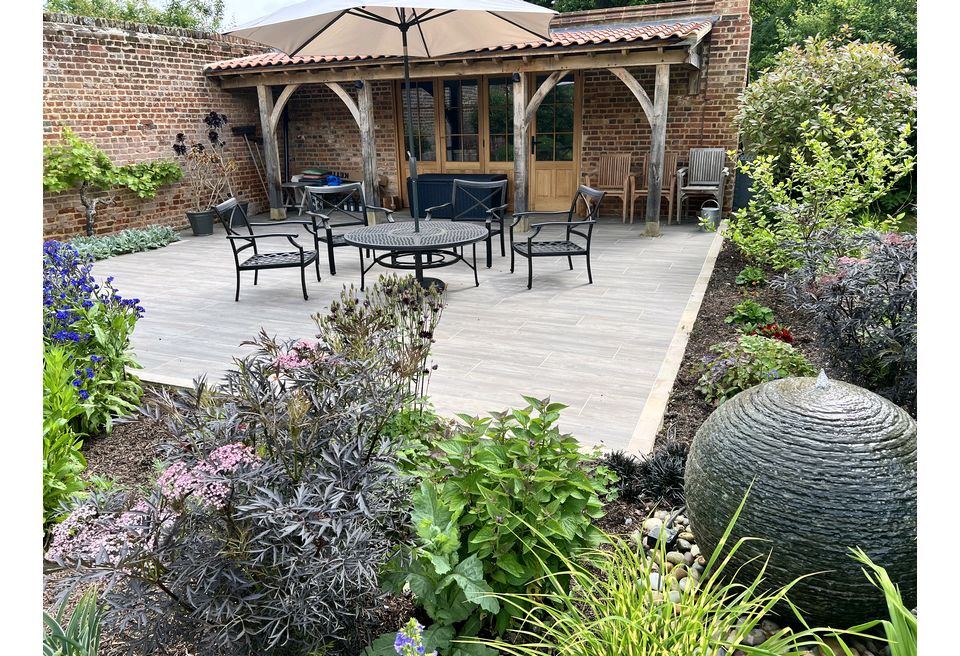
x: 560, y: 39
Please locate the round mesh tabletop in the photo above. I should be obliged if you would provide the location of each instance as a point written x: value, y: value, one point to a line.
x: 433, y: 235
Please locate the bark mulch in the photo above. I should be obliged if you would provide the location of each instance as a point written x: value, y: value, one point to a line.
x: 686, y: 409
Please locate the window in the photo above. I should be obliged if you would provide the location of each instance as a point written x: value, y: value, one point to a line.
x: 500, y: 118
x: 424, y: 118
x: 555, y: 122
x: 461, y: 107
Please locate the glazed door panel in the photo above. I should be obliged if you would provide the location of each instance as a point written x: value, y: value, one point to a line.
x: 554, y: 159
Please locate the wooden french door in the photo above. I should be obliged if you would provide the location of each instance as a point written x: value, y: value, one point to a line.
x: 461, y: 125
x: 555, y: 151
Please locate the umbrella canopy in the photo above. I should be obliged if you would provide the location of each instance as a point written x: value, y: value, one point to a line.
x: 435, y: 27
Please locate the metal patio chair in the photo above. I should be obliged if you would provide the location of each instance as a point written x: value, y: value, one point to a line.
x: 705, y: 175
x: 613, y: 177
x: 227, y: 212
x: 336, y: 207
x: 477, y: 201
x: 572, y: 225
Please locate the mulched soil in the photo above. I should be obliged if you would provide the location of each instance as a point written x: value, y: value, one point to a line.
x: 687, y: 410
x: 126, y: 455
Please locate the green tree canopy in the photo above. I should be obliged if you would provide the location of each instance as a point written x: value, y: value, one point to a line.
x: 780, y: 23
x: 192, y: 14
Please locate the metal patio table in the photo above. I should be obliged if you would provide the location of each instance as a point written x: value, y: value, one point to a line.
x: 401, y: 247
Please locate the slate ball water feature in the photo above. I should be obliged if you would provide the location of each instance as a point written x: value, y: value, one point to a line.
x: 832, y: 466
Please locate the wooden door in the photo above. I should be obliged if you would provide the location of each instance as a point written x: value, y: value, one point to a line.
x: 555, y: 157
x: 426, y: 133
x: 498, y: 129
x: 460, y: 125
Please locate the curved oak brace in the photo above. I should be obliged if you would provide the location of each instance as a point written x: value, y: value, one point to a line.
x: 637, y: 90
x: 280, y: 103
x: 347, y: 100
x: 540, y: 94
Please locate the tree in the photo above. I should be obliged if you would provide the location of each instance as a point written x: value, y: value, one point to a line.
x: 77, y: 164
x: 781, y: 23
x: 191, y: 14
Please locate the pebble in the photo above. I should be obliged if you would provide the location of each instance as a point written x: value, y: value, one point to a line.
x: 685, y: 583
x: 674, y: 597
x: 769, y: 627
x: 652, y: 522
x: 686, y: 535
x: 755, y: 637
x: 683, y: 545
x: 661, y: 515
x: 675, y: 558
x: 688, y: 558
x: 680, y: 572
x: 695, y: 550
x: 628, y: 521
x: 701, y: 561
x: 655, y: 581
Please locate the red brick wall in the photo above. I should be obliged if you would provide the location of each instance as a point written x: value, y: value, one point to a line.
x: 129, y: 89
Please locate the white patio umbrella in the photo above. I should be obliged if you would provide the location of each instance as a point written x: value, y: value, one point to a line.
x: 417, y: 28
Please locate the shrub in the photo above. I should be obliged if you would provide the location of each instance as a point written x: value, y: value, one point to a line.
x: 861, y: 84
x: 81, y: 635
x: 482, y: 490
x: 751, y: 277
x: 63, y: 463
x: 133, y: 240
x: 749, y: 314
x: 828, y: 184
x: 93, y: 323
x: 622, y: 602
x: 654, y: 477
x: 745, y: 362
x: 279, y: 500
x: 774, y: 331
x: 865, y: 307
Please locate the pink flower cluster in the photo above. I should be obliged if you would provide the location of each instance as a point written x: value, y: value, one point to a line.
x: 204, y: 481
x: 893, y: 239
x: 300, y: 356
x: 87, y: 536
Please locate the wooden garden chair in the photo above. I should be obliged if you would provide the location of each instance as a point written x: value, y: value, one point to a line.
x: 612, y: 176
x: 705, y: 175
x: 667, y: 187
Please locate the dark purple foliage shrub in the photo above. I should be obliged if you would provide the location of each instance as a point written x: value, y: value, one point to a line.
x: 865, y: 307
x: 279, y: 498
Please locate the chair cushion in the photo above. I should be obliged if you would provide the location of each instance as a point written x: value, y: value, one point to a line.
x: 550, y: 248
x: 277, y: 260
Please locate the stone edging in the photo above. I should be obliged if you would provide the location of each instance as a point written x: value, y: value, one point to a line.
x: 651, y: 418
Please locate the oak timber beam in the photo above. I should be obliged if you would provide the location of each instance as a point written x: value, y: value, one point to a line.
x: 368, y: 143
x: 658, y: 138
x: 421, y: 70
x: 280, y: 103
x: 521, y: 140
x: 347, y: 100
x: 271, y: 153
x: 541, y: 93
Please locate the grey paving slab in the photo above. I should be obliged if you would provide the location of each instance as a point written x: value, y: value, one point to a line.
x: 597, y: 347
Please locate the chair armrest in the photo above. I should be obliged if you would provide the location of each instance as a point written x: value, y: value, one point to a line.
x: 537, y: 227
x: 377, y: 208
x: 430, y: 210
x: 267, y: 234
x: 496, y: 213
x: 682, y: 175
x: 517, y: 216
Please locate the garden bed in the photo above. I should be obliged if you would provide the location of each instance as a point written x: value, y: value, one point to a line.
x: 687, y: 409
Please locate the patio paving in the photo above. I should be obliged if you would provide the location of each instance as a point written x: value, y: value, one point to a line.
x: 597, y: 348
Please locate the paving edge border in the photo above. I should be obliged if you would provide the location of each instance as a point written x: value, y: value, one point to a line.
x: 651, y: 417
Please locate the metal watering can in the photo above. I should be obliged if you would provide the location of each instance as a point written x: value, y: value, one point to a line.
x: 711, y: 214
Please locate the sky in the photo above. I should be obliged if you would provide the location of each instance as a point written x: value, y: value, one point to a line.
x: 238, y: 12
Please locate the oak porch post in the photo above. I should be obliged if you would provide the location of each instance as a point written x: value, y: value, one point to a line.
x: 521, y: 143
x: 271, y: 153
x: 658, y: 137
x: 368, y: 144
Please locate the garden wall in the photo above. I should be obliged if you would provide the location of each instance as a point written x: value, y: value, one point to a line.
x: 130, y: 88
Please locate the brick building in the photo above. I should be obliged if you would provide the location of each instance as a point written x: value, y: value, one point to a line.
x: 131, y: 88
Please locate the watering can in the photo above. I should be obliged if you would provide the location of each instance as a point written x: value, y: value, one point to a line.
x: 710, y: 213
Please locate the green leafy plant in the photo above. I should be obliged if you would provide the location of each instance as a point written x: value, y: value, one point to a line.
x: 132, y: 240
x: 751, y: 277
x: 482, y: 489
x: 192, y: 14
x: 749, y: 314
x: 620, y: 600
x: 79, y: 165
x: 901, y: 628
x: 829, y: 183
x: 81, y: 634
x: 63, y: 463
x: 750, y: 360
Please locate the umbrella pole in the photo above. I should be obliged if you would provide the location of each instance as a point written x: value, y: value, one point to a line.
x: 414, y: 201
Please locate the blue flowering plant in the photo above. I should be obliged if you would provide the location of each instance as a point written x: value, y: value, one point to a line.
x: 409, y: 641
x: 93, y: 324
x: 734, y: 366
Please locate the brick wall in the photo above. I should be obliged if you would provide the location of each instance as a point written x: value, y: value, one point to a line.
x: 130, y: 88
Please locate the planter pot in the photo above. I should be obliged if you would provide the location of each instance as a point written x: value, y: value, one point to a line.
x: 201, y: 222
